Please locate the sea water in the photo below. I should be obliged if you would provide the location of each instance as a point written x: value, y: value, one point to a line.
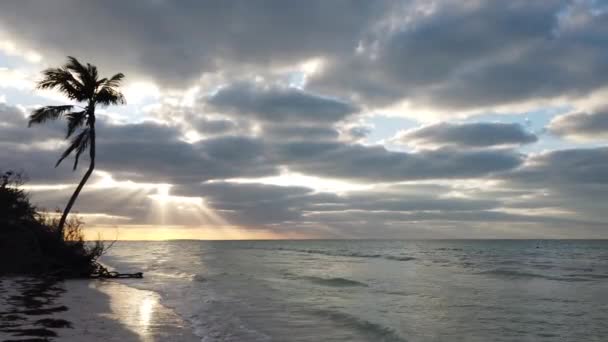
x: 456, y: 290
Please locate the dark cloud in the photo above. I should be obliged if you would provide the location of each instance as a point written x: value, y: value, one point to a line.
x: 151, y: 151
x: 478, y: 216
x: 32, y: 150
x: 574, y: 181
x: 214, y: 126
x: 147, y: 151
x: 14, y: 128
x: 263, y: 204
x: 478, y: 134
x: 133, y: 204
x: 298, y: 133
x: 454, y: 56
x: 396, y: 202
x: 482, y: 54
x: 139, y: 133
x: 175, y: 43
x: 173, y: 161
x: 252, y: 204
x: 195, y: 118
x: 10, y: 115
x: 376, y: 164
x: 581, y: 125
x: 279, y: 104
x: 37, y: 164
x: 564, y: 168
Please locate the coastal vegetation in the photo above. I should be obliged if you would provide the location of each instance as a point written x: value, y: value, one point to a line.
x: 28, y: 237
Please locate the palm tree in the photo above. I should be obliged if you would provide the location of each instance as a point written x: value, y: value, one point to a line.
x: 81, y: 84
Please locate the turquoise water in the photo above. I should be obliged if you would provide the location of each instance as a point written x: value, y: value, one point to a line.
x: 480, y: 290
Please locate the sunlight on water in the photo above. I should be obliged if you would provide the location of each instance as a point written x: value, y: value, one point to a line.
x: 146, y: 310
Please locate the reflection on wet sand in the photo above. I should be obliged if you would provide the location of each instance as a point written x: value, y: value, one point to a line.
x: 141, y: 312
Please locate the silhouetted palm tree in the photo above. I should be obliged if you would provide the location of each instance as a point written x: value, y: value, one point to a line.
x: 79, y: 83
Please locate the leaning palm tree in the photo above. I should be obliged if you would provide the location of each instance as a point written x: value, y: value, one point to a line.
x: 80, y: 84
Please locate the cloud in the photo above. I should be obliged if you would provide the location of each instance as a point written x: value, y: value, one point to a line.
x: 261, y: 204
x: 564, y: 168
x: 581, y: 125
x: 173, y: 161
x: 175, y: 43
x: 146, y: 151
x: 197, y: 118
x: 251, y: 204
x: 383, y: 202
x: 214, y: 126
x: 457, y: 58
x: 478, y: 134
x: 377, y: 164
x: 371, y: 57
x: 32, y: 150
x: 279, y: 104
x: 11, y: 116
x: 572, y: 181
x: 298, y: 133
x: 356, y: 132
x: 446, y: 56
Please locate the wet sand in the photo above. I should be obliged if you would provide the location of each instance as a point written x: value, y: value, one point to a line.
x: 85, y: 310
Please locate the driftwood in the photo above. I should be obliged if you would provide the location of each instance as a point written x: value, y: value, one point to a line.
x: 102, y: 272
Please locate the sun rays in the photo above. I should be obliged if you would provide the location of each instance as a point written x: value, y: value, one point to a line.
x: 164, y: 207
x: 150, y: 203
x: 183, y: 209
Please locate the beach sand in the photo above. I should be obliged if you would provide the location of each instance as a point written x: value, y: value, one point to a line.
x: 85, y: 310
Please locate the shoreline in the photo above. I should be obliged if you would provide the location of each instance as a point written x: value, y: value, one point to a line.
x: 82, y: 309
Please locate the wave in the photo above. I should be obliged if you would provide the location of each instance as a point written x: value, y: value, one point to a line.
x: 369, y: 330
x: 332, y: 253
x: 399, y: 258
x: 199, y: 278
x: 522, y: 275
x: 587, y: 275
x: 336, y: 282
x: 348, y: 254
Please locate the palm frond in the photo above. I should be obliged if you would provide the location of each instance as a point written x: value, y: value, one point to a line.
x: 87, y: 74
x: 45, y: 113
x: 114, y: 81
x: 81, y: 148
x: 79, y: 143
x: 109, y: 96
x: 62, y: 80
x: 92, y: 72
x: 75, y: 121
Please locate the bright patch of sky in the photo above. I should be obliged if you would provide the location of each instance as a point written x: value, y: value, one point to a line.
x: 385, y: 127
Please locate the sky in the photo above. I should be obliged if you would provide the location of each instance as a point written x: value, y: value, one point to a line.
x: 383, y: 119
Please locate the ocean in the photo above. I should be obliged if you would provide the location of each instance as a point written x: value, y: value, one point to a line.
x: 334, y: 290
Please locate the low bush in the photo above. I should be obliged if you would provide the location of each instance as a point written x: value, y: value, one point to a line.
x: 29, y: 239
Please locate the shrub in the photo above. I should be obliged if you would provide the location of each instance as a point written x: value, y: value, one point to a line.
x: 29, y: 242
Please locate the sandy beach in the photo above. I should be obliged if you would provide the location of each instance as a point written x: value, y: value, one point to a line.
x: 85, y: 310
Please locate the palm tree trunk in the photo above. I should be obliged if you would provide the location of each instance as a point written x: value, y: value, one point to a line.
x: 67, y: 209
